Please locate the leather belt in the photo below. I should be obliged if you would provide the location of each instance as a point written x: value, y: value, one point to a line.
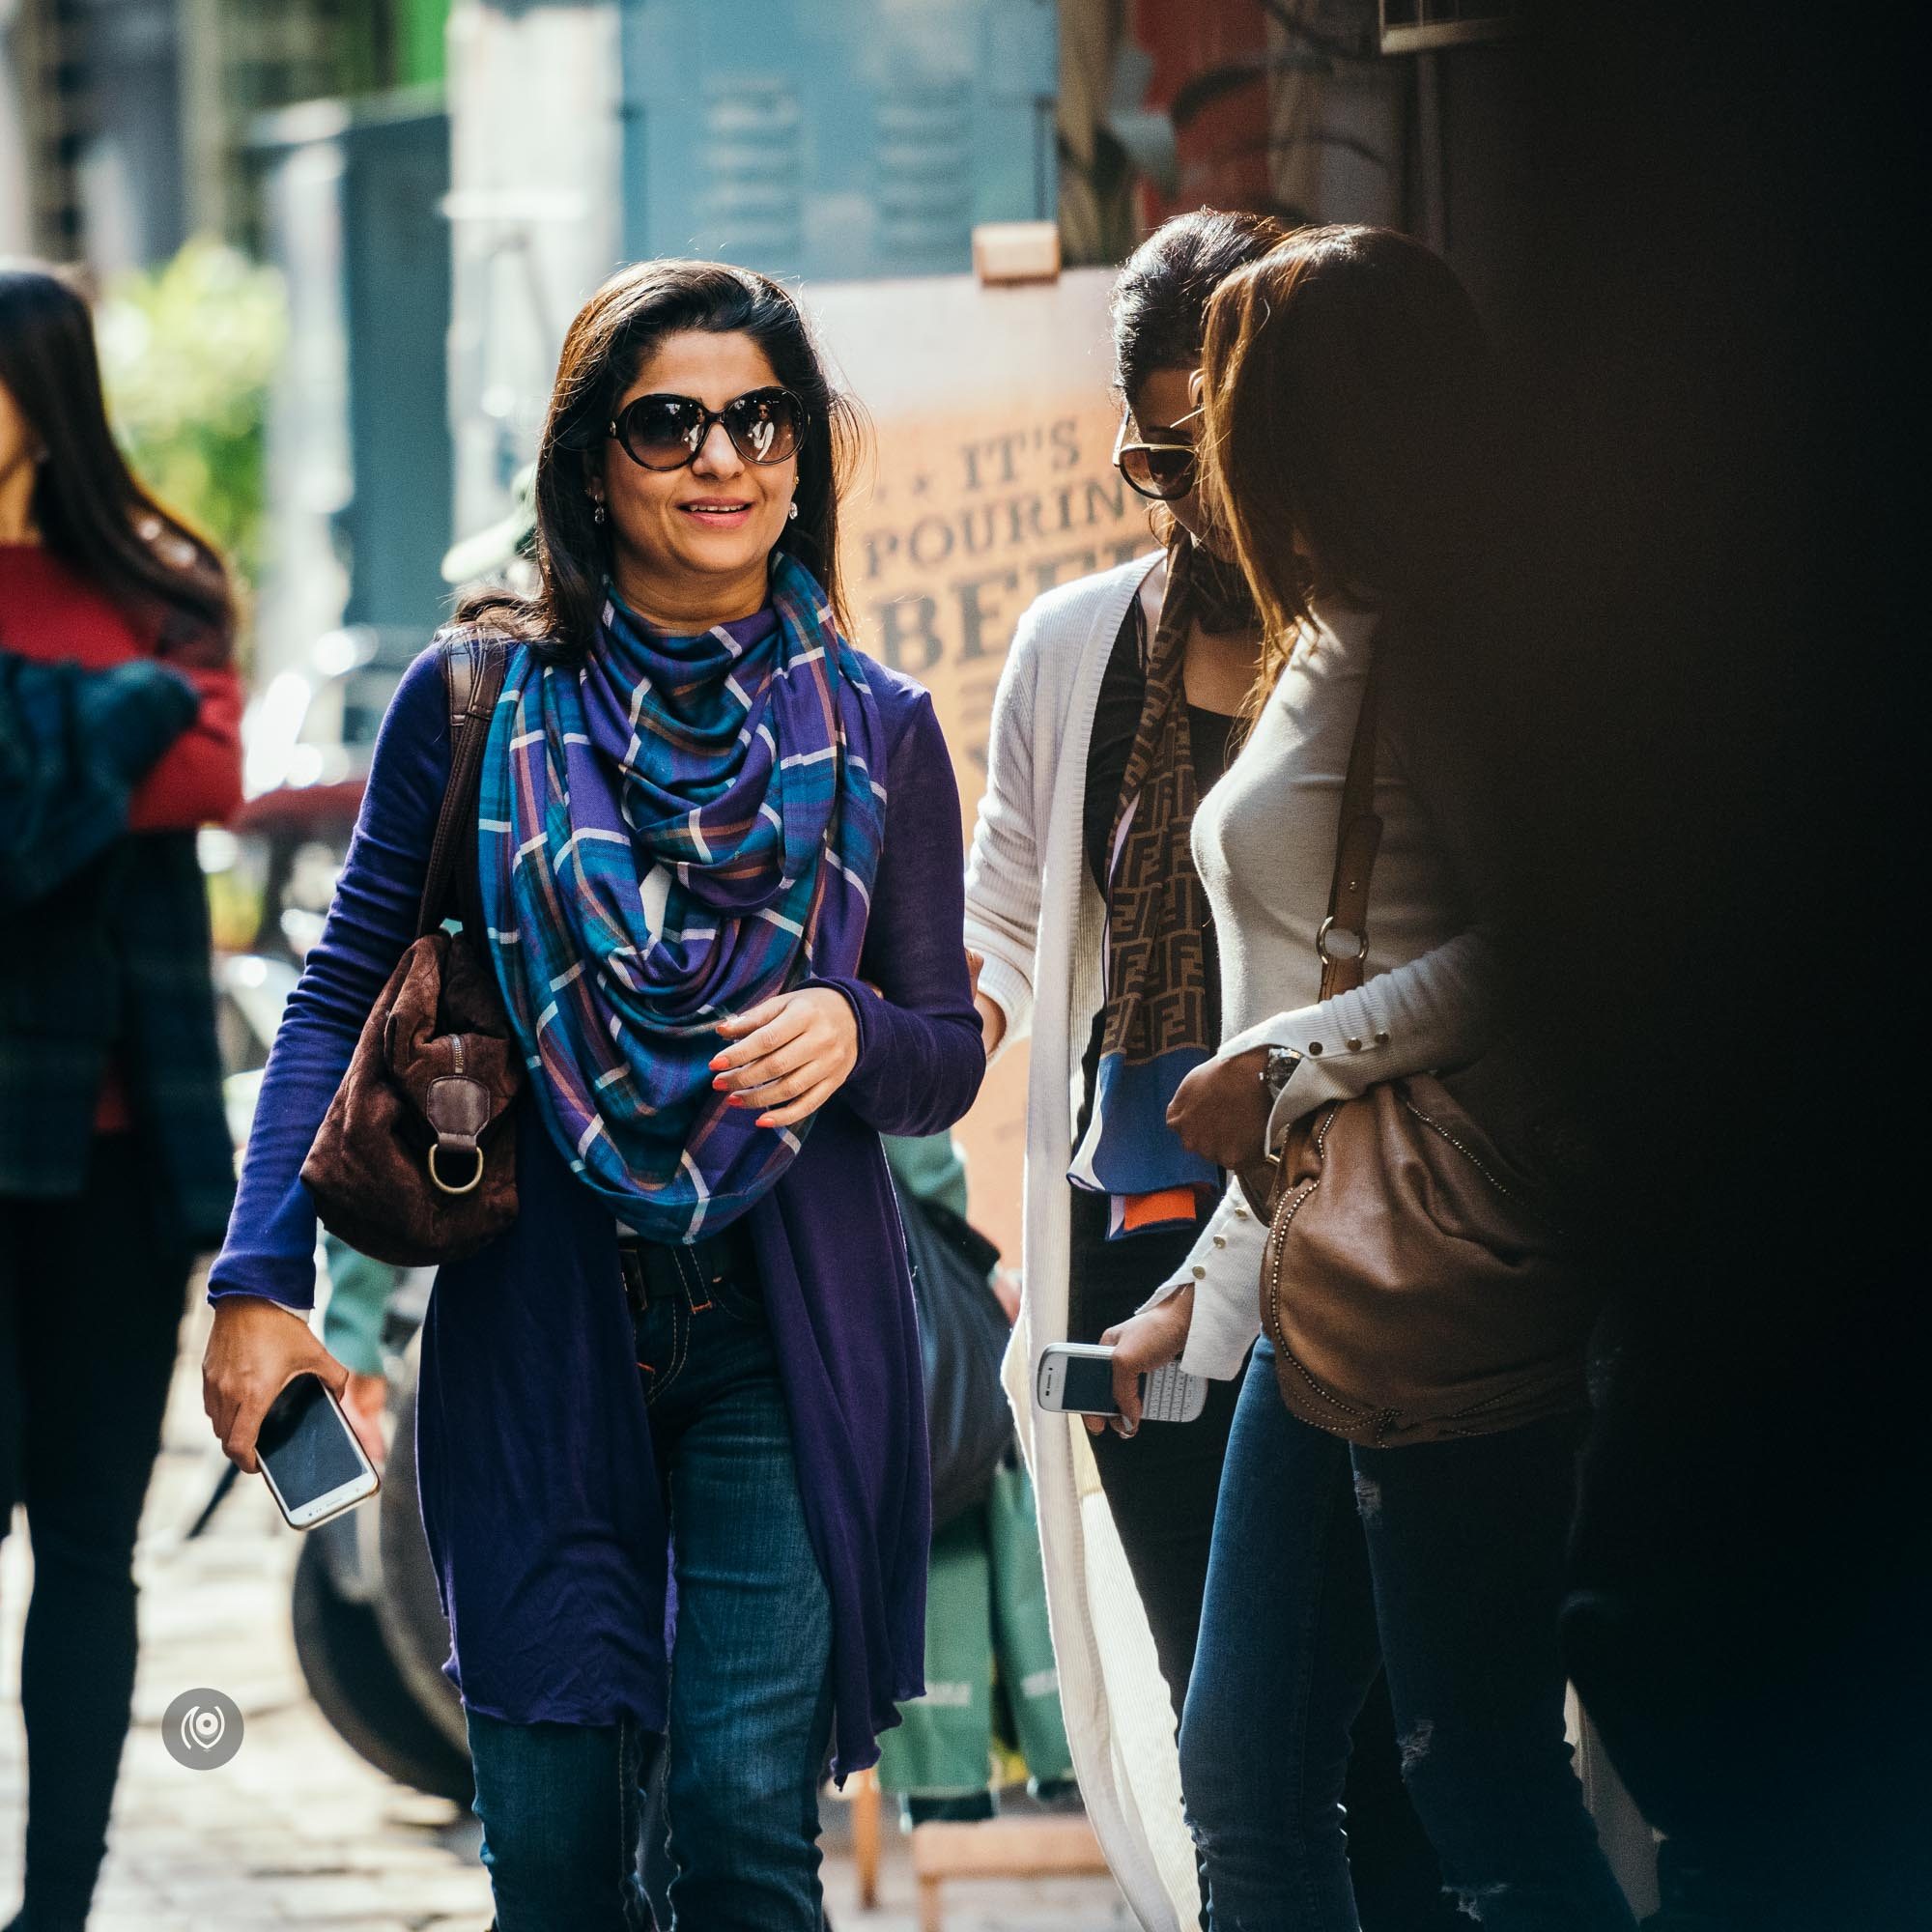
x: 655, y: 1270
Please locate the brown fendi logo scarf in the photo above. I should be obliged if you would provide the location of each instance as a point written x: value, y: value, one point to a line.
x: 1157, y: 1028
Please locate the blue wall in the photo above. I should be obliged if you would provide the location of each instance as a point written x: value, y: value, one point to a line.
x: 375, y: 170
x: 836, y: 138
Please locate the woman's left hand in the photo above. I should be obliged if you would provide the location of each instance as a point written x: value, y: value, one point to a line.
x: 1221, y: 1111
x: 790, y: 1054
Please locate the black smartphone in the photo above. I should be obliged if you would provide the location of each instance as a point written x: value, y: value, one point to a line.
x: 314, y: 1466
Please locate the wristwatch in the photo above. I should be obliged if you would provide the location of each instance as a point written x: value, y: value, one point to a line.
x: 1278, y: 1068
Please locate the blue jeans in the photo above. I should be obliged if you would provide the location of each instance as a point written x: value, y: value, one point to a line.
x: 750, y: 1687
x: 1442, y: 1562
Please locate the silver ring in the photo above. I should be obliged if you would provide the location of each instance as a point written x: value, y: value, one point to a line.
x: 1327, y: 926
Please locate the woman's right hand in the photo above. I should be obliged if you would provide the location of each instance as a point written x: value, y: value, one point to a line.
x: 1142, y: 1344
x: 254, y: 1351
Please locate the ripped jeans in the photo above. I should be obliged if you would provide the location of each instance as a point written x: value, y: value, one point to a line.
x: 1444, y: 1563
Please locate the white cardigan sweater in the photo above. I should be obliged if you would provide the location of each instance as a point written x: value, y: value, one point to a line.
x: 1033, y: 912
x: 1264, y: 847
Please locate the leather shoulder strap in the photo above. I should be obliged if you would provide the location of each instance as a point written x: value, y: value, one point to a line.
x: 472, y: 679
x: 1342, y: 941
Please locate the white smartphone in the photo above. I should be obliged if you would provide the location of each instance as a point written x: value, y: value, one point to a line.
x: 314, y: 1466
x: 1079, y: 1375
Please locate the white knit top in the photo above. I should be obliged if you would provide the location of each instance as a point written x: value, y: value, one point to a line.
x: 1264, y: 847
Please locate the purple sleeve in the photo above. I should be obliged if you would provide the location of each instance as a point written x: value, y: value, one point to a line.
x: 270, y: 1244
x: 920, y: 1053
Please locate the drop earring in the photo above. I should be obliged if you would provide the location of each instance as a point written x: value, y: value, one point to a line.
x: 792, y: 512
x: 597, y: 513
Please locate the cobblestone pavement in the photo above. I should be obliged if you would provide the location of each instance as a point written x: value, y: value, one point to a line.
x: 296, y: 1831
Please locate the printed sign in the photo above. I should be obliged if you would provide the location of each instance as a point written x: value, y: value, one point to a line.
x: 990, y: 483
x: 969, y: 523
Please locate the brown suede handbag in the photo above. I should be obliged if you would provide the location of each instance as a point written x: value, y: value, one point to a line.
x: 1417, y: 1285
x: 414, y: 1162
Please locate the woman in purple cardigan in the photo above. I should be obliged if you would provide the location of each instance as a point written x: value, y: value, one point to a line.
x: 674, y: 1413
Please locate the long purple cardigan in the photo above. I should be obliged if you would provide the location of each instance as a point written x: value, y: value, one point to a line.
x: 539, y: 1492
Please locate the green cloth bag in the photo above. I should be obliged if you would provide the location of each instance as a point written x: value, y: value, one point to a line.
x: 1021, y: 1638
x: 985, y: 1599
x: 944, y: 1745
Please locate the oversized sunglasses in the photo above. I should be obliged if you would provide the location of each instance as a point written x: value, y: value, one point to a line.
x: 1162, y: 470
x: 667, y: 432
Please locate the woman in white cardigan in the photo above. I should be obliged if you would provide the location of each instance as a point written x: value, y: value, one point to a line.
x: 1112, y: 720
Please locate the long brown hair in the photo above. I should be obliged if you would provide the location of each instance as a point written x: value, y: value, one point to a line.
x: 615, y: 331
x: 93, y: 513
x: 1344, y: 415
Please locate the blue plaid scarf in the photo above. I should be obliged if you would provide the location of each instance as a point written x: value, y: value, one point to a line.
x: 672, y: 831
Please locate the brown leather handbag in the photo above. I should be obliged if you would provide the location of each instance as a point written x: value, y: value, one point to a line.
x: 1417, y: 1285
x: 414, y: 1162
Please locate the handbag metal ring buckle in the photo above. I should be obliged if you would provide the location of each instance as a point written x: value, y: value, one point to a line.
x: 469, y: 1186
x: 1359, y: 947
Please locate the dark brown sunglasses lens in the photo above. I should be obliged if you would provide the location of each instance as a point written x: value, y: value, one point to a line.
x: 765, y: 428
x: 1158, y: 472
x: 659, y: 434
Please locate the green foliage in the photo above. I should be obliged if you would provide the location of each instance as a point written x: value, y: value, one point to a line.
x: 187, y: 353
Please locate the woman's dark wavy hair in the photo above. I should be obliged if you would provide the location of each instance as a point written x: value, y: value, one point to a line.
x: 613, y: 335
x: 1161, y: 300
x: 1160, y: 316
x: 93, y: 513
x: 1347, y: 408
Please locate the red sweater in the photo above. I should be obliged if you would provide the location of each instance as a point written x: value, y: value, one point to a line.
x: 50, y: 612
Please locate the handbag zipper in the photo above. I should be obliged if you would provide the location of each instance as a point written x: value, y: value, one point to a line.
x: 1383, y: 1419
x: 1508, y: 1193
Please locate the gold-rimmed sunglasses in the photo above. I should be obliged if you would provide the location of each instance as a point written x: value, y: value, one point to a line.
x: 1162, y: 470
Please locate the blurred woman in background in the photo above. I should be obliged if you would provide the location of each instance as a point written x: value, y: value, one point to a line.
x: 120, y: 715
x: 1116, y: 716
